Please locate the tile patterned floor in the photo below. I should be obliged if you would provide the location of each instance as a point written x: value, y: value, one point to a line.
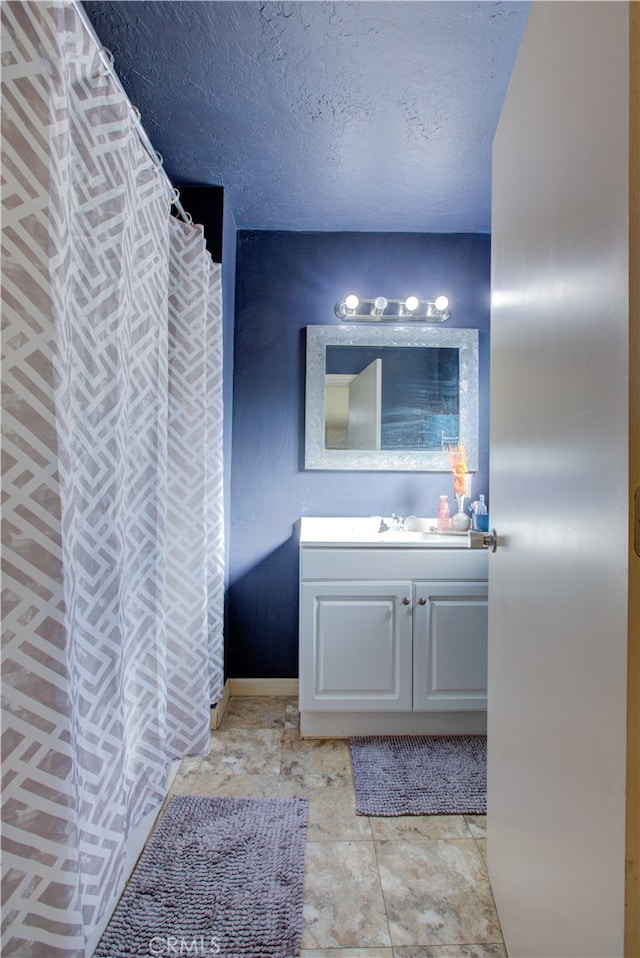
x: 408, y: 887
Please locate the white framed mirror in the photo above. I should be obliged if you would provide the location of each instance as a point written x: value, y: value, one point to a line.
x: 390, y: 398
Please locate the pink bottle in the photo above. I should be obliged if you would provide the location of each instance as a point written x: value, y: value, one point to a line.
x: 443, y: 514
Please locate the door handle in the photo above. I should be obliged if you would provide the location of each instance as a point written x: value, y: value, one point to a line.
x: 491, y: 540
x: 406, y: 600
x: 483, y: 540
x: 422, y: 601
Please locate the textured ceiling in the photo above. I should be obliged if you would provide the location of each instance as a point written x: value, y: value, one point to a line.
x: 365, y: 115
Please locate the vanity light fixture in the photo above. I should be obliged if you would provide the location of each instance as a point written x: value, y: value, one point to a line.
x: 383, y: 310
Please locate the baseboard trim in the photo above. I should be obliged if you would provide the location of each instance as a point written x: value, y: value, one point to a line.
x: 287, y: 687
x: 346, y: 724
x: 218, y: 710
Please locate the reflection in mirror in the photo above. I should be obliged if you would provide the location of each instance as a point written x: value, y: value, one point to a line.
x: 390, y: 398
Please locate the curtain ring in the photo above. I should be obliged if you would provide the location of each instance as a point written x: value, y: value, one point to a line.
x: 136, y: 114
x: 159, y: 159
x: 107, y: 59
x: 175, y: 200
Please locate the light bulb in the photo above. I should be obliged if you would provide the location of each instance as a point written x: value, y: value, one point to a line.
x: 411, y: 303
x: 441, y: 303
x: 379, y: 306
x: 352, y: 301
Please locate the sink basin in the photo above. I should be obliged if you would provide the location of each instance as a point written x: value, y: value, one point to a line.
x: 404, y: 535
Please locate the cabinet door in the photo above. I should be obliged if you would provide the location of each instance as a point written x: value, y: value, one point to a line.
x: 355, y: 646
x: 450, y: 646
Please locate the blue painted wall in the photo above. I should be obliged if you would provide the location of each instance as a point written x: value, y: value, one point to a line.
x: 284, y: 282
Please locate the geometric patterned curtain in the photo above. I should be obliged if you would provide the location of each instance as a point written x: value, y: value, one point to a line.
x: 112, y: 635
x: 195, y: 544
x: 215, y: 485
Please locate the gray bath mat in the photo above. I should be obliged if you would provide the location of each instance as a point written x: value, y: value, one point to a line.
x: 420, y: 774
x: 220, y: 876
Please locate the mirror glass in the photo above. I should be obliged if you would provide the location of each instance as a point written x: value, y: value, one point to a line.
x: 392, y: 398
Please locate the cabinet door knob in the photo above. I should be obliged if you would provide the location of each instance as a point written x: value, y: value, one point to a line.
x: 422, y: 601
x: 406, y: 600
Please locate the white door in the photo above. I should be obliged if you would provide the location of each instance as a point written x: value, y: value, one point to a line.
x: 365, y: 408
x: 558, y: 583
x: 450, y: 646
x: 355, y: 646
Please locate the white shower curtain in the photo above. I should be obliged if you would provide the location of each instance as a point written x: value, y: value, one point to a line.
x: 195, y: 533
x: 112, y: 537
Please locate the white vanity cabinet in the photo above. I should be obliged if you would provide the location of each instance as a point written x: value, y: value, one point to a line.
x: 393, y: 638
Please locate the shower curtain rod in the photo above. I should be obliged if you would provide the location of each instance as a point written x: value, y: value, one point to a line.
x: 107, y: 58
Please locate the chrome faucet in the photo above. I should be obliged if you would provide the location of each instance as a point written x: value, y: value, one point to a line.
x: 398, y: 524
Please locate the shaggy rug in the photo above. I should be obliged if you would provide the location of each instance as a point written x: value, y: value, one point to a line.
x: 420, y: 774
x: 220, y: 876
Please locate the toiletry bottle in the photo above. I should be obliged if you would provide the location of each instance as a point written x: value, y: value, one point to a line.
x: 443, y: 514
x: 480, y: 516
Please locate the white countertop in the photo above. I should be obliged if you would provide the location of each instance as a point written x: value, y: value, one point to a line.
x: 341, y: 531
